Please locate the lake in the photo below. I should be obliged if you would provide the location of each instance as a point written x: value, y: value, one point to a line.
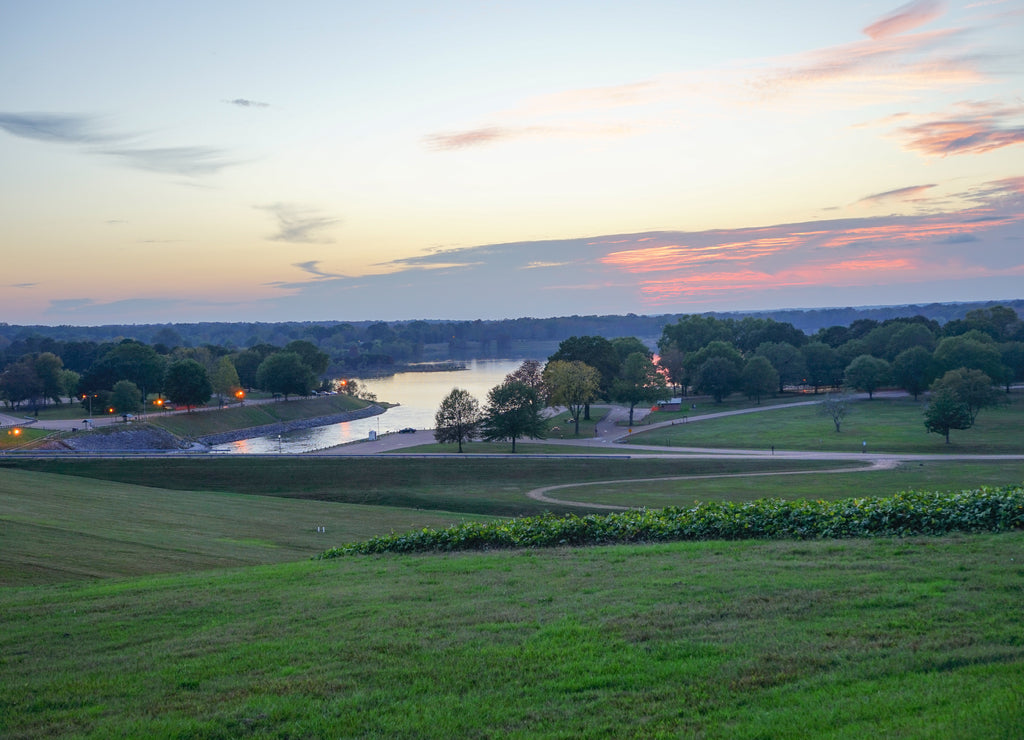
x: 418, y: 394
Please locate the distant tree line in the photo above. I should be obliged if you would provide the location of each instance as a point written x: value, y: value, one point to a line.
x: 120, y: 377
x: 696, y: 353
x: 367, y: 347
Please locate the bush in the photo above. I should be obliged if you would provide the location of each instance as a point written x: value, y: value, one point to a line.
x: 905, y: 514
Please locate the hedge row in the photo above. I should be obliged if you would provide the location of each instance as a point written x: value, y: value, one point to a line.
x: 904, y: 514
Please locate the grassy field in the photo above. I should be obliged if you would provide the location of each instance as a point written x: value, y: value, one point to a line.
x: 175, y: 597
x: 57, y: 528
x: 493, y: 487
x: 842, y: 639
x: 887, y: 425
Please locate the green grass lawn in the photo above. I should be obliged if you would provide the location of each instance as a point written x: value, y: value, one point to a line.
x: 18, y: 437
x: 842, y: 639
x: 924, y: 476
x: 57, y: 528
x: 492, y: 487
x: 887, y: 425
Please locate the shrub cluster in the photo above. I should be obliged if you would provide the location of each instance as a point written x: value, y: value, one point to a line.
x: 907, y: 513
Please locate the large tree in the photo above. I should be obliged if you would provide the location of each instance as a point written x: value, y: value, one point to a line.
x: 513, y: 411
x: 595, y: 351
x: 285, y: 373
x: 972, y: 388
x: 225, y: 380
x: 571, y: 384
x: 129, y: 360
x: 458, y: 418
x: 945, y: 412
x: 125, y: 398
x: 824, y: 367
x: 787, y: 360
x: 971, y: 350
x: 19, y: 382
x: 639, y: 382
x: 187, y: 383
x: 759, y: 377
x: 673, y: 362
x: 718, y: 377
x: 531, y: 372
x: 867, y: 373
x: 913, y: 370
x: 692, y: 332
x: 49, y: 367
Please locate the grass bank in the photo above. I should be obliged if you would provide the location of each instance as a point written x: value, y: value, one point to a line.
x: 216, y: 421
x: 886, y: 637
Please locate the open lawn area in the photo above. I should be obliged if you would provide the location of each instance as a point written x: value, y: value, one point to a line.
x: 846, y: 639
x: 887, y: 425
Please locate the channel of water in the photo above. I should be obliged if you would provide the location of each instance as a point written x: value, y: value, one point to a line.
x: 418, y: 396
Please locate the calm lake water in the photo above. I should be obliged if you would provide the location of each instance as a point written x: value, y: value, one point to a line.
x: 419, y: 395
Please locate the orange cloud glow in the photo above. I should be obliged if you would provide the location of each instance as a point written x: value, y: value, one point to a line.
x: 863, y: 270
x: 653, y: 259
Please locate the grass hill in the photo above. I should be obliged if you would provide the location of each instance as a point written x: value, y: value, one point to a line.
x: 178, y: 598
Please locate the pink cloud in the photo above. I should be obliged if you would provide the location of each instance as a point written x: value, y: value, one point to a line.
x: 971, y: 128
x: 906, y: 18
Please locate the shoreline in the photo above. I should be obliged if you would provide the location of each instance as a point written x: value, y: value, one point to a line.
x: 237, y: 435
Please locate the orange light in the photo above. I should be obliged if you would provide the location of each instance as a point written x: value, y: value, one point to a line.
x: 240, y: 394
x: 15, y: 432
x: 110, y: 410
x: 158, y: 402
x: 342, y: 383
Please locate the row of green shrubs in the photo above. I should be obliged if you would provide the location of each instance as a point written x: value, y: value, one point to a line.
x: 904, y: 514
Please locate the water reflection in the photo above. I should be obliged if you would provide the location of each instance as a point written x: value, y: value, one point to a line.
x: 419, y: 395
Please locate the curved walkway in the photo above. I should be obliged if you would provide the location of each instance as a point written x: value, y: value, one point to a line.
x: 540, y: 494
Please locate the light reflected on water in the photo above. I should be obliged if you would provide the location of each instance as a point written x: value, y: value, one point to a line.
x: 418, y: 396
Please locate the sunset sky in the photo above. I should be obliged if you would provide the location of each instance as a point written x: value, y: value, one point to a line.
x: 257, y: 161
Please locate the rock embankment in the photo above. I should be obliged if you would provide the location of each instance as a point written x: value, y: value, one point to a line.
x: 134, y: 438
x: 289, y: 426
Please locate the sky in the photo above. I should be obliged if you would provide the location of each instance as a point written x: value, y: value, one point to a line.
x: 396, y: 160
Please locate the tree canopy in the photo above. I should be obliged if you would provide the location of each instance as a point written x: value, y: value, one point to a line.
x: 571, y: 384
x: 513, y: 411
x: 285, y: 373
x: 187, y: 383
x: 458, y: 418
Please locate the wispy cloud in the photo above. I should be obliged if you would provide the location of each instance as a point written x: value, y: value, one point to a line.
x: 910, y: 193
x: 970, y: 128
x: 191, y: 161
x: 55, y: 127
x: 894, y: 61
x: 246, y: 103
x: 23, y: 285
x: 485, y: 135
x: 298, y: 225
x: 313, y: 268
x: 905, y: 18
x: 82, y: 131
